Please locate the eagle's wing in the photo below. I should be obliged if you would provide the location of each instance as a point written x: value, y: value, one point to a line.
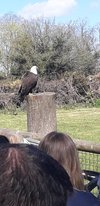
x: 29, y: 81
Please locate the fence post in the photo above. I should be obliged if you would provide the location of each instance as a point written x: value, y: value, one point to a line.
x: 41, y: 113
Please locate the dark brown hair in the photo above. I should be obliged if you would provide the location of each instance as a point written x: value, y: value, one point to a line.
x: 29, y: 177
x: 4, y: 139
x: 62, y: 148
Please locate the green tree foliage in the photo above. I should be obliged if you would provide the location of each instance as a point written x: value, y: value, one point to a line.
x: 9, y: 27
x: 21, y: 55
x: 56, y: 49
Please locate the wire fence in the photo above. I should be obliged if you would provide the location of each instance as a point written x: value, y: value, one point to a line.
x: 90, y: 161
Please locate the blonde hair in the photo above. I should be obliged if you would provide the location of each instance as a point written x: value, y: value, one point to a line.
x: 62, y: 148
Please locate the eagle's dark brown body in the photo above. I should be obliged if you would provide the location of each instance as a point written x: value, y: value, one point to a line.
x: 28, y: 83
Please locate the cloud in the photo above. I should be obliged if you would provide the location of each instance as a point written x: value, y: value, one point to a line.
x: 95, y: 4
x: 49, y: 8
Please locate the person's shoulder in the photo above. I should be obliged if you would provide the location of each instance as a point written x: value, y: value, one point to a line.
x: 83, y: 198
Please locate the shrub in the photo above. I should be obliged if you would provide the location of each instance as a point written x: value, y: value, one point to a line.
x: 97, y: 103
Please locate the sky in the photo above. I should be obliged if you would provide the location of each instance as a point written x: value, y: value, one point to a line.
x: 63, y: 11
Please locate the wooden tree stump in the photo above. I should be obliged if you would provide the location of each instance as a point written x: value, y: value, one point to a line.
x: 41, y: 113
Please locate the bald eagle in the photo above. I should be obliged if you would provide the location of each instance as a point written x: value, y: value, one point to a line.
x: 28, y: 82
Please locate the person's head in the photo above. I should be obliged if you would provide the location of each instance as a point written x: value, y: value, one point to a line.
x: 11, y: 136
x: 62, y: 148
x: 3, y: 139
x: 29, y: 177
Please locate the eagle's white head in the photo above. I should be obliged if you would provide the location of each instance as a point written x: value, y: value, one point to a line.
x: 34, y: 70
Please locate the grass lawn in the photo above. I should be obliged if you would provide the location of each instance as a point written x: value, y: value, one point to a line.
x: 14, y: 122
x: 81, y: 123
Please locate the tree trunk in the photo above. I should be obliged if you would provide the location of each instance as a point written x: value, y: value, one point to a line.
x: 41, y: 113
